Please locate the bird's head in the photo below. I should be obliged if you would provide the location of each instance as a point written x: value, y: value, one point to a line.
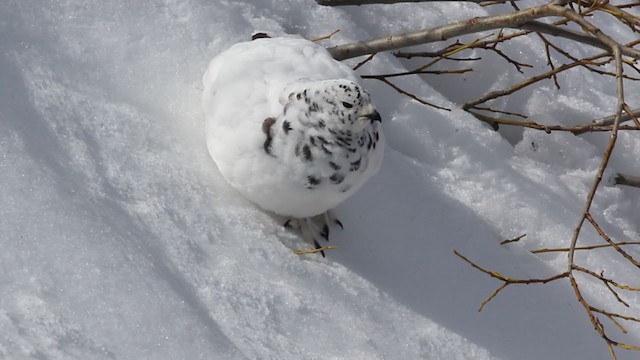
x: 340, y: 105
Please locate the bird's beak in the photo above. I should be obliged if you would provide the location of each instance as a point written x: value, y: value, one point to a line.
x: 367, y: 119
x: 374, y: 116
x: 370, y: 114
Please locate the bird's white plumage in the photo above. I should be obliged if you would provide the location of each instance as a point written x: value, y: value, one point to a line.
x: 285, y: 124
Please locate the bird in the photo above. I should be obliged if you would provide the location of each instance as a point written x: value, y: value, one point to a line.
x: 291, y: 129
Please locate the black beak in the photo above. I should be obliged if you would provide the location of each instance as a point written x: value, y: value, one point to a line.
x: 374, y: 116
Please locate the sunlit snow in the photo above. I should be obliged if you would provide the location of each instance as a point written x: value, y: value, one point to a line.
x: 121, y: 240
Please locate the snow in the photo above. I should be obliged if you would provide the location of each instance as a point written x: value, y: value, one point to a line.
x: 121, y: 240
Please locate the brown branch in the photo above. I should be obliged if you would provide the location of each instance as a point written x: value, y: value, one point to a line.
x: 616, y: 323
x: 544, y: 28
x: 609, y: 120
x: 624, y: 17
x: 590, y: 247
x: 507, y: 280
x: 602, y: 234
x: 628, y: 112
x: 440, y: 33
x: 596, y: 32
x: 526, y: 21
x: 598, y: 178
x: 450, y: 50
x: 576, y: 130
x: 623, y: 317
x: 612, y: 317
x: 516, y: 239
x: 404, y: 92
x: 538, y: 27
x: 460, y: 46
x: 630, y: 5
x: 369, y: 58
x: 369, y: 2
x: 501, y: 112
x: 573, y: 58
x: 325, y: 37
x: 532, y: 80
x: 523, y: 19
x: 604, y: 279
x: 409, y: 55
x: 597, y: 325
x: 518, y: 65
x: 547, y: 49
x: 628, y: 180
x: 572, y: 267
x: 603, y: 163
x: 417, y: 72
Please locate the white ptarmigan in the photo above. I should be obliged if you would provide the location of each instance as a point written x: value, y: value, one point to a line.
x: 291, y: 129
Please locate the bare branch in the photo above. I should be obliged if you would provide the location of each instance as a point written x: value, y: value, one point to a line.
x: 393, y: 42
x: 516, y: 239
x: 609, y: 120
x: 605, y: 158
x: 502, y: 112
x: 571, y: 265
x: 359, y: 65
x: 553, y: 30
x: 595, y: 31
x: 563, y: 12
x: 623, y: 317
x: 499, y: 93
x: 625, y: 254
x: 576, y: 130
x: 404, y: 92
x: 523, y: 19
x: 604, y: 279
x: 416, y: 72
x: 369, y: 2
x: 507, y: 280
x: 591, y: 247
x: 628, y: 180
x: 325, y: 37
x: 497, y: 275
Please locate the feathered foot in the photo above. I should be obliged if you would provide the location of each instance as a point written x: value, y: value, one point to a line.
x: 314, y: 229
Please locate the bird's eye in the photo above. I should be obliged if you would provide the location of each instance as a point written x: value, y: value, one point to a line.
x: 347, y: 105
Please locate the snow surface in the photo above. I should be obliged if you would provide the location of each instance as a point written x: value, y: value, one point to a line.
x: 120, y: 239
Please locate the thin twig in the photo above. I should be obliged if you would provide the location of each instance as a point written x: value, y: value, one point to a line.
x: 576, y: 130
x: 369, y: 58
x: 507, y: 280
x: 369, y: 2
x: 516, y: 239
x: 590, y: 247
x: 585, y: 212
x: 396, y: 88
x: 532, y: 80
x: 604, y: 279
x: 523, y: 19
x: 512, y: 20
x: 609, y: 120
x: 628, y: 180
x: 501, y: 112
x: 417, y: 72
x: 602, y: 234
x: 325, y: 37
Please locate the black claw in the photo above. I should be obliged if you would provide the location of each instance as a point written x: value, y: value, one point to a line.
x: 325, y: 232
x: 339, y: 223
x: 318, y: 247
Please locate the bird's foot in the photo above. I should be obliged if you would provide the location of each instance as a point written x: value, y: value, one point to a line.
x: 314, y: 229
